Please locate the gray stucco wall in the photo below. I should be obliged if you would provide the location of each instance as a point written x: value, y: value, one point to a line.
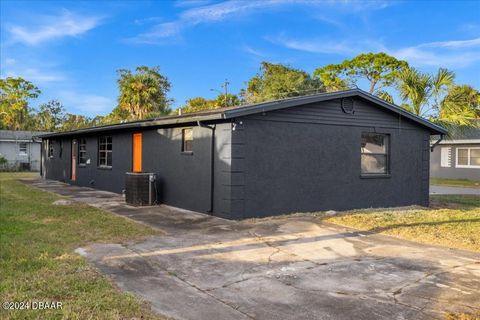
x: 11, y: 151
x: 452, y: 172
x: 293, y: 161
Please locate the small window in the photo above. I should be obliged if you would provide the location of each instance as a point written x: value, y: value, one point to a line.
x: 374, y: 149
x: 187, y: 140
x: 468, y: 158
x: 22, y: 149
x: 82, y: 152
x: 50, y: 148
x: 105, y: 151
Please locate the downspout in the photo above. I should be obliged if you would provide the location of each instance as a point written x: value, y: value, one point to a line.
x: 212, y: 162
x: 436, y: 142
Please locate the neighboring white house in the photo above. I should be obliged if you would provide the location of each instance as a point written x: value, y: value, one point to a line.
x: 20, y: 149
x: 458, y: 156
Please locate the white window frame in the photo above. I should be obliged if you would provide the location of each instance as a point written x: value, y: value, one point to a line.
x: 462, y: 165
x: 20, y: 152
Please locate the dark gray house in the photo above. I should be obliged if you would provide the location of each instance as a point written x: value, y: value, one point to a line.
x: 458, y: 156
x: 339, y: 150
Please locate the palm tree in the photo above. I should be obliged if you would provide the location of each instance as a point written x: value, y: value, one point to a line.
x: 384, y: 95
x: 416, y: 88
x: 441, y: 83
x: 460, y: 107
x: 143, y: 93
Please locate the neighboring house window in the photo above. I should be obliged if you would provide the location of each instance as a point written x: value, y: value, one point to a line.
x: 82, y: 152
x: 187, y: 140
x: 22, y: 149
x: 375, y: 150
x: 445, y: 157
x: 468, y: 157
x: 105, y: 151
x: 50, y: 148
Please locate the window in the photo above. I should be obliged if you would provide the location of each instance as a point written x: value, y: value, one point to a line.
x: 22, y: 149
x: 187, y: 140
x: 105, y: 151
x: 468, y: 158
x: 50, y: 148
x: 375, y: 160
x: 82, y: 152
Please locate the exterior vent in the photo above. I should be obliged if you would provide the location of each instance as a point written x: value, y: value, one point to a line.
x: 348, y: 105
x: 141, y: 189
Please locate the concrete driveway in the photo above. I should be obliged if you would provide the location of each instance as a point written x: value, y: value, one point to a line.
x: 294, y: 267
x: 453, y: 190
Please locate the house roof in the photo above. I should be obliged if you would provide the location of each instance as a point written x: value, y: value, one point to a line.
x: 19, y: 136
x: 244, y: 110
x: 463, y: 135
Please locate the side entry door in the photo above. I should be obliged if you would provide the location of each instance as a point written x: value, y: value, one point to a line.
x: 74, y: 160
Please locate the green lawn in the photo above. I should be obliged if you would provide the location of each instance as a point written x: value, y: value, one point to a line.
x: 37, y: 262
x: 451, y: 221
x: 455, y: 182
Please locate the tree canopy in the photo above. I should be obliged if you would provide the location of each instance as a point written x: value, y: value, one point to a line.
x: 200, y: 103
x: 379, y: 69
x: 278, y: 81
x: 50, y: 116
x: 143, y: 93
x: 15, y: 94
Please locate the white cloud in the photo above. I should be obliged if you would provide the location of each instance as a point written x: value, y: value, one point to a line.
x: 89, y: 104
x: 35, y: 75
x: 224, y: 10
x: 66, y: 24
x: 449, y: 54
x: 345, y: 47
x: 452, y: 44
x: 253, y: 51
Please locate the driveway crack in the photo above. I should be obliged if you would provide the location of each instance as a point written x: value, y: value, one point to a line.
x: 236, y: 308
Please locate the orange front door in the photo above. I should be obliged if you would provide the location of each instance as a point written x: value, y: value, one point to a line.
x: 137, y: 152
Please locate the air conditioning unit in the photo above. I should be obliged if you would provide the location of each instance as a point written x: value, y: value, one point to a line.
x: 141, y: 189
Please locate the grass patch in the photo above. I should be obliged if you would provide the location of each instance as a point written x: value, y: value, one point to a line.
x: 37, y: 261
x: 451, y: 221
x: 455, y: 183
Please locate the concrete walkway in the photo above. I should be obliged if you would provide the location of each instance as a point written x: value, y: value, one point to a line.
x: 294, y: 267
x: 453, y: 190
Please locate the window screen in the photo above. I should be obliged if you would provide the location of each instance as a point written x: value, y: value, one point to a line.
x: 187, y: 140
x: 105, y: 151
x: 374, y: 154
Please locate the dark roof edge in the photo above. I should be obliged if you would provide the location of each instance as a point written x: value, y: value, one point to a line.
x: 138, y: 124
x: 280, y: 104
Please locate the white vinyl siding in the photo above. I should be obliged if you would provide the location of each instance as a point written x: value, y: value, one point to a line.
x: 446, y: 157
x: 468, y: 157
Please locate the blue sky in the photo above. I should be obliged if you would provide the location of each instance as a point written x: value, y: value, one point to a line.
x: 71, y: 50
